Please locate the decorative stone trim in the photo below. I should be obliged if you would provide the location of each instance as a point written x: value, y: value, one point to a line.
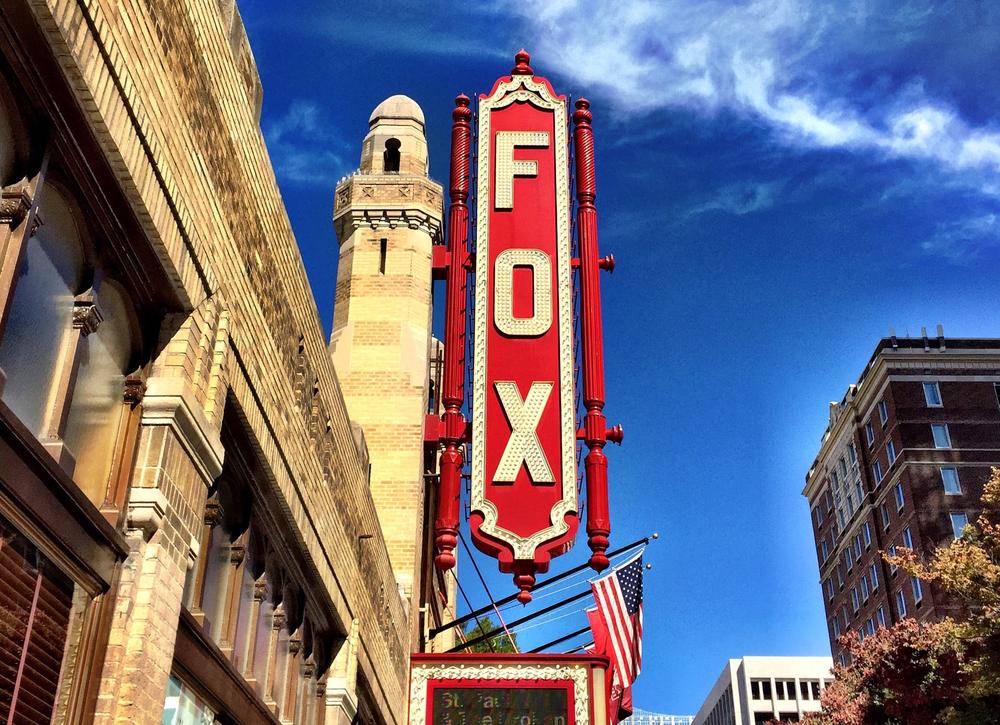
x: 86, y: 317
x: 15, y: 202
x: 134, y: 391
x: 338, y: 696
x: 171, y: 402
x: 146, y: 509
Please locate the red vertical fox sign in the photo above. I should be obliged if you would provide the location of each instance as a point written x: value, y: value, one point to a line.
x: 524, y: 488
x: 523, y: 507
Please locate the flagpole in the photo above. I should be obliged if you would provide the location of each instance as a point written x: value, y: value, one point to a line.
x: 541, y: 585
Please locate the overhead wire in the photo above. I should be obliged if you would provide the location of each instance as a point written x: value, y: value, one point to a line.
x: 489, y: 594
x: 479, y: 626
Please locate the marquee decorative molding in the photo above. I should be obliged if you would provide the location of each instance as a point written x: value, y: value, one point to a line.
x: 420, y: 675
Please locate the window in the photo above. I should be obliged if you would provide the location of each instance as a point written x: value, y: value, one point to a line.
x: 859, y: 493
x: 996, y: 389
x: 855, y: 603
x: 949, y: 477
x: 918, y: 590
x: 959, y: 520
x: 883, y: 412
x: 69, y: 341
x: 870, y: 626
x: 873, y: 572
x: 864, y: 587
x: 899, y: 496
x: 814, y: 688
x: 885, y: 516
x: 877, y: 472
x: 900, y: 603
x: 829, y: 589
x: 383, y: 250
x: 907, y: 538
x: 866, y: 532
x: 880, y: 615
x: 941, y: 437
x: 390, y: 157
x: 857, y: 546
x: 840, y: 577
x: 892, y: 552
x: 843, y: 466
x: 932, y: 394
x: 869, y: 433
x: 818, y: 514
x: 849, y: 558
x: 847, y: 619
x: 825, y: 551
x: 182, y: 705
x: 890, y: 452
x: 760, y: 689
x: 836, y: 633
x: 842, y: 659
x: 851, y: 453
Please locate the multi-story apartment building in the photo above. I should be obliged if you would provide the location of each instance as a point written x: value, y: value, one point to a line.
x: 902, y: 463
x: 756, y: 690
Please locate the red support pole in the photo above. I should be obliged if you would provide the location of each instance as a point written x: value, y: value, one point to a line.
x: 595, y: 431
x: 453, y: 393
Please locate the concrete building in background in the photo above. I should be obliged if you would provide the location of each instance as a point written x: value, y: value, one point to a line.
x: 644, y: 717
x: 902, y: 463
x: 755, y: 690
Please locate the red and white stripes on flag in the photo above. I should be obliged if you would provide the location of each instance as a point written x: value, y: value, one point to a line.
x: 619, y: 603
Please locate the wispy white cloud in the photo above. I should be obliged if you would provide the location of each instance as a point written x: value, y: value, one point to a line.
x: 302, y: 147
x: 769, y: 60
x: 965, y: 240
x: 741, y: 198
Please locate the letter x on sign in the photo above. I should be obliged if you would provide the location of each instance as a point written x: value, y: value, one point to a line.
x: 523, y: 445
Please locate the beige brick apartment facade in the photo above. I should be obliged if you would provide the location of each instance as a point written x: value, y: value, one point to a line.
x: 187, y: 525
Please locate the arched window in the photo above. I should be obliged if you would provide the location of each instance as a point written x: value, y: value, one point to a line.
x: 70, y: 338
x: 105, y: 356
x: 50, y: 276
x: 390, y: 157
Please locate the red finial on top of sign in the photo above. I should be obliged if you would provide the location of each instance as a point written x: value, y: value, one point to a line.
x: 521, y: 67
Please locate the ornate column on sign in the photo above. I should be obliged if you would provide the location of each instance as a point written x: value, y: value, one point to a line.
x: 595, y: 432
x: 453, y: 422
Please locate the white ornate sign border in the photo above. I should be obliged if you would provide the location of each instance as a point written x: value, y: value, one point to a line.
x: 524, y: 88
x: 577, y: 674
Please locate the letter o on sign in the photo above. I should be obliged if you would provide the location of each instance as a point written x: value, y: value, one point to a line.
x: 541, y: 292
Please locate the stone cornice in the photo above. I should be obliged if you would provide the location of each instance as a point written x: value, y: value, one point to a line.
x: 388, y: 201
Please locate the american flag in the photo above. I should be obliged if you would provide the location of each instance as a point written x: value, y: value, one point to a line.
x: 619, y: 604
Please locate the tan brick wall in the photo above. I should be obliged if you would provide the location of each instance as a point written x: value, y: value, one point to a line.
x: 175, y: 112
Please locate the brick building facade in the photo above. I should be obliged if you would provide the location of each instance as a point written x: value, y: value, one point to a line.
x: 902, y: 463
x: 192, y: 524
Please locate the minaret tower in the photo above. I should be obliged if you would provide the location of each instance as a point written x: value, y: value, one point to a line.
x: 387, y: 217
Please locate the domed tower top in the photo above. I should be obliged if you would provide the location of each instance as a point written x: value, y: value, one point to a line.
x: 395, y: 143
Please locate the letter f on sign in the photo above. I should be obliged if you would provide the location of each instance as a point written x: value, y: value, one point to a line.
x: 507, y: 167
x: 523, y: 445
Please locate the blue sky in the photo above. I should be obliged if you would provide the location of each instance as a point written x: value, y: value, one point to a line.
x: 781, y: 181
